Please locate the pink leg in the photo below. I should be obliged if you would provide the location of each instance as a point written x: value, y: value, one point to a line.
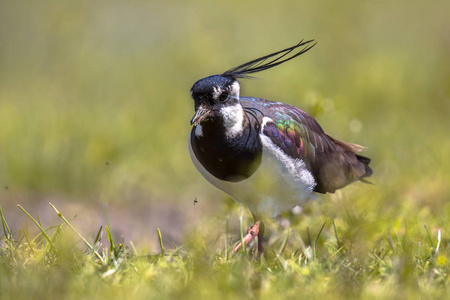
x: 251, y: 233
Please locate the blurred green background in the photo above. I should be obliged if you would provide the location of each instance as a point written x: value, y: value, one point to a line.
x: 95, y: 105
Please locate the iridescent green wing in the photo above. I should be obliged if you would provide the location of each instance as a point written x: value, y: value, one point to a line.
x: 297, y: 134
x: 333, y: 163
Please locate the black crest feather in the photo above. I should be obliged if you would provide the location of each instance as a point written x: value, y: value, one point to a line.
x: 277, y: 58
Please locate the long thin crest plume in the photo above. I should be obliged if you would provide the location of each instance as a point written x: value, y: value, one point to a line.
x: 262, y: 63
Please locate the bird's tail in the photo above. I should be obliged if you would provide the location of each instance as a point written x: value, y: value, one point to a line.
x: 366, y: 161
x: 362, y: 159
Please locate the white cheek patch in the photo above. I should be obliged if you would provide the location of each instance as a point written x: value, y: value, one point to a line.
x: 198, y: 131
x: 216, y: 92
x: 235, y: 89
x: 233, y: 118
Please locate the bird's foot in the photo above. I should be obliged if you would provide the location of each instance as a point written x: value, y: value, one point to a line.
x: 252, y: 232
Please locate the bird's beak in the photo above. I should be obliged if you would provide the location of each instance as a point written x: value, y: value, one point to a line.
x: 200, y: 114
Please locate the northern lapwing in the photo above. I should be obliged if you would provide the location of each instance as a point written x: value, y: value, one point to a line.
x: 268, y: 155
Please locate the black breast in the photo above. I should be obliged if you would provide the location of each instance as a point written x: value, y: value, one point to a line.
x: 229, y: 159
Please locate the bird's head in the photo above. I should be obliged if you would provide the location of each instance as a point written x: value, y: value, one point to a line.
x: 212, y: 95
x: 218, y: 95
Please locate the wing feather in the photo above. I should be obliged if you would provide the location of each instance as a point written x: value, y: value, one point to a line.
x: 333, y: 163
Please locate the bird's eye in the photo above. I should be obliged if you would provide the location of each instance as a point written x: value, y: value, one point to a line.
x: 223, y: 96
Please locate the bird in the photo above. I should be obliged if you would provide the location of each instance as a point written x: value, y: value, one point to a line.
x: 267, y: 155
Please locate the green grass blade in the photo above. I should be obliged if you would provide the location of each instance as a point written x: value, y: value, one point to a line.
x: 98, y: 237
x: 112, y: 245
x: 430, y: 239
x: 391, y: 243
x: 309, y: 236
x: 6, y: 228
x: 30, y: 244
x: 163, y: 251
x: 38, y: 219
x: 320, y: 232
x: 284, y: 244
x: 317, y: 240
x: 336, y: 235
x: 79, y: 235
x: 44, y: 234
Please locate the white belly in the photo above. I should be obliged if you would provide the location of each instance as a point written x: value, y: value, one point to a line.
x: 279, y: 184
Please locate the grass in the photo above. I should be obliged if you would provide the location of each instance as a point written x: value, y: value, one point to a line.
x: 406, y: 263
x: 95, y: 110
